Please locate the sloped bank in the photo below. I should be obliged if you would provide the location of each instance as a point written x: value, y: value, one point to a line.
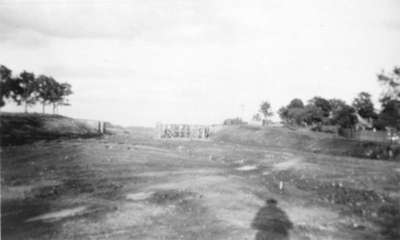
x: 304, y: 140
x: 22, y: 128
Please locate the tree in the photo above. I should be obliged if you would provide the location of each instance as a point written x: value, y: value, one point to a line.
x: 5, y: 73
x: 28, y: 89
x: 44, y: 85
x: 364, y: 106
x: 298, y: 115
x: 322, y: 104
x: 58, y: 93
x: 265, y: 109
x: 296, y: 111
x: 312, y: 115
x: 257, y: 117
x: 390, y: 100
x: 55, y: 93
x: 390, y: 115
x: 9, y: 86
x: 391, y: 82
x: 293, y: 115
x: 296, y: 103
x: 5, y: 88
x: 336, y: 104
x: 345, y: 117
x: 66, y: 90
x: 284, y: 114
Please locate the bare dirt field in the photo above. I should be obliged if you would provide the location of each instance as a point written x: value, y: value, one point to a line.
x: 131, y: 186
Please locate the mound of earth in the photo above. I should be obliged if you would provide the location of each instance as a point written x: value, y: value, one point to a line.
x: 21, y: 128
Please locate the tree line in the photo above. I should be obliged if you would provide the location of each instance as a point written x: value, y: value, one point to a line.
x: 27, y: 89
x: 319, y: 111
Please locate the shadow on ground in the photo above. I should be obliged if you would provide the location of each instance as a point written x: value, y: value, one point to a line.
x: 271, y: 222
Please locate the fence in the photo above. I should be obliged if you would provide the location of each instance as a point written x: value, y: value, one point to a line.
x: 97, y: 126
x: 170, y: 131
x: 368, y: 135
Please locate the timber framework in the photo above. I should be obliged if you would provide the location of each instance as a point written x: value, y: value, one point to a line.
x: 184, y: 131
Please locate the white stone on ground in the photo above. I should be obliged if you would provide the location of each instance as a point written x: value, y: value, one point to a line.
x: 139, y: 196
x: 54, y: 216
x: 247, y: 168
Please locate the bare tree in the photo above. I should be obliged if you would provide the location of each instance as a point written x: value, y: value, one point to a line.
x: 265, y: 109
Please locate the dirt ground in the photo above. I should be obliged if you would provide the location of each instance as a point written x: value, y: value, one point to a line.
x: 130, y: 186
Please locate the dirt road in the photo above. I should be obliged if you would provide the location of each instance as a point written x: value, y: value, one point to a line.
x: 127, y: 187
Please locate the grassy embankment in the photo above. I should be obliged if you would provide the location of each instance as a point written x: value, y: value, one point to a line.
x: 304, y: 140
x: 22, y: 128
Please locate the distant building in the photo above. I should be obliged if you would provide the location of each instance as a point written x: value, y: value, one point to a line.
x: 363, y: 124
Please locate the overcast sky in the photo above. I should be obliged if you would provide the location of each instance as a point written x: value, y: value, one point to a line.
x: 136, y: 62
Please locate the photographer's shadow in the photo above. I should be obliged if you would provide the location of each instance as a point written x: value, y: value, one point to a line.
x: 271, y: 222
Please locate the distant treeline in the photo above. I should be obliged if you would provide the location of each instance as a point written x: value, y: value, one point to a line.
x: 319, y: 112
x: 28, y: 89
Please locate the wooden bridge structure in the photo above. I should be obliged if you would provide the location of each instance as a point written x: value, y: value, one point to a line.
x: 182, y: 131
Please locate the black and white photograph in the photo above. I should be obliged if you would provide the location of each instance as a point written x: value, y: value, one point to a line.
x: 200, y: 119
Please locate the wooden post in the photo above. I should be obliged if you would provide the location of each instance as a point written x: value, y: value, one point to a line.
x: 100, y: 127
